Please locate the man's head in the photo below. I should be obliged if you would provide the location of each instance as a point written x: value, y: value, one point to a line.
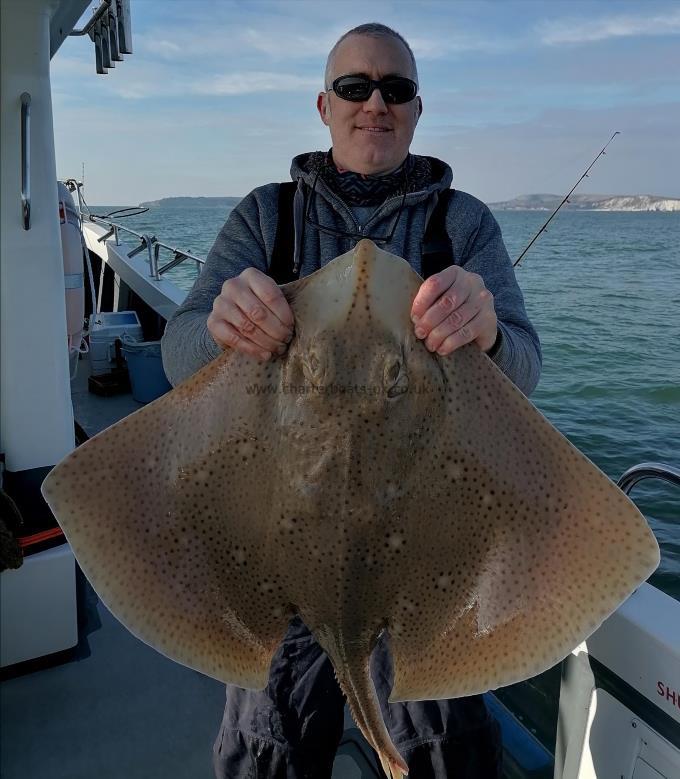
x: 372, y: 136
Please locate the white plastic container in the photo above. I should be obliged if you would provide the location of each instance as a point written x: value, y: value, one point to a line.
x: 104, y: 329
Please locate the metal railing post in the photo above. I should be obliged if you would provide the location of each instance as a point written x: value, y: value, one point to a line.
x: 26, y: 159
x: 153, y: 256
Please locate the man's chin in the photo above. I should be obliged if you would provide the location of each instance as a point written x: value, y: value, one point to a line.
x: 377, y: 164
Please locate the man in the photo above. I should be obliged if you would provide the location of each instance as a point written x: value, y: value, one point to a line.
x: 368, y: 185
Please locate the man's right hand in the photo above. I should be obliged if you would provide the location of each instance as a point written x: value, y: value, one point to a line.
x: 252, y: 316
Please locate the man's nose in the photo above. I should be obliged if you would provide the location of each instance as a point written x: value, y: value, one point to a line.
x: 375, y: 103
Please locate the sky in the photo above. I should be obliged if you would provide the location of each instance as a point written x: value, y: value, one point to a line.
x: 518, y: 97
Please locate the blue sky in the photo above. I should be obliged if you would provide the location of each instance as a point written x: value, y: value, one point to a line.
x: 518, y: 96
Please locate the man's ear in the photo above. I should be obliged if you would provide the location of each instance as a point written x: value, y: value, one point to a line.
x: 323, y: 107
x: 419, y: 107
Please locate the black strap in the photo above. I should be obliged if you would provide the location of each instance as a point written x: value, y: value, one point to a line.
x: 281, y: 265
x: 437, y: 249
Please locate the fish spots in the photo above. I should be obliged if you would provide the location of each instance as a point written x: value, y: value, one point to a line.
x: 407, y: 605
x: 443, y: 581
x: 395, y: 541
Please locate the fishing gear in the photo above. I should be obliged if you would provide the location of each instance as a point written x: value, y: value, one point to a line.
x: 565, y: 200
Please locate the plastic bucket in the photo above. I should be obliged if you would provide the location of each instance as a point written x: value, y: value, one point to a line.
x: 145, y: 367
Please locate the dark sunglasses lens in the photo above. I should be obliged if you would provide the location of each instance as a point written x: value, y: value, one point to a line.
x: 397, y: 90
x: 353, y: 88
x: 359, y: 88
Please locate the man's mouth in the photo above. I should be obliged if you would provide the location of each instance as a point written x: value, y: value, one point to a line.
x: 375, y: 129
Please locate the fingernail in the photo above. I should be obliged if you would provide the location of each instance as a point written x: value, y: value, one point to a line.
x: 420, y: 333
x: 281, y: 349
x: 289, y: 337
x: 415, y: 319
x: 266, y: 355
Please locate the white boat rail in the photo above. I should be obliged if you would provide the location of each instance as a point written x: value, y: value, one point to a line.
x: 147, y: 242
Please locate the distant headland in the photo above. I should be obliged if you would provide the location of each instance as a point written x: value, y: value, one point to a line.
x: 589, y: 203
x: 181, y: 202
x: 538, y: 202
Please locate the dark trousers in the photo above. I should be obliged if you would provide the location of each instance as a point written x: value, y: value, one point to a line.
x: 292, y: 728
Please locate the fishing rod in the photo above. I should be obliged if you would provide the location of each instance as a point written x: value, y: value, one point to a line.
x: 565, y: 200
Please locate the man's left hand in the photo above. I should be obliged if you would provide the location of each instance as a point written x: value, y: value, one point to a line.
x: 453, y: 308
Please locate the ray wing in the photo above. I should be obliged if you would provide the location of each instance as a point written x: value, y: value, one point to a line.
x: 167, y: 514
x: 531, y: 546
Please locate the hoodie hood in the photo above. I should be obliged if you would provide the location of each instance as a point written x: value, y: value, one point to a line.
x: 431, y: 176
x: 427, y: 174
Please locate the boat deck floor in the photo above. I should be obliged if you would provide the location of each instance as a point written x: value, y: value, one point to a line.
x: 93, y: 412
x: 123, y: 711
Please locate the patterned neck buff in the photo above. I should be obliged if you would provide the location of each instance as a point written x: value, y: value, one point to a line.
x: 358, y: 190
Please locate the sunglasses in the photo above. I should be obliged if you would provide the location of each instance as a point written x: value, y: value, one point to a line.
x: 395, y: 90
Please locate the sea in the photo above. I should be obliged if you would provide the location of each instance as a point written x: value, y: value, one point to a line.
x: 603, y: 290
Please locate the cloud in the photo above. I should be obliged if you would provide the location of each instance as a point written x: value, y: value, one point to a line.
x: 278, y: 46
x: 64, y: 67
x: 566, y: 31
x: 247, y: 83
x: 163, y: 48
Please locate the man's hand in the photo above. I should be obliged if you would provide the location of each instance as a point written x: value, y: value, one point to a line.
x: 453, y: 308
x: 252, y: 316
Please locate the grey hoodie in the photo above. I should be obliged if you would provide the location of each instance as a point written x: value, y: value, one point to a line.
x: 247, y: 240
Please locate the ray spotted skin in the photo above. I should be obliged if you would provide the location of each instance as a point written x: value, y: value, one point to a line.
x: 365, y: 484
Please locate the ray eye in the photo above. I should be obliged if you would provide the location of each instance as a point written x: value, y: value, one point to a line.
x: 396, y: 379
x: 313, y: 367
x: 392, y: 372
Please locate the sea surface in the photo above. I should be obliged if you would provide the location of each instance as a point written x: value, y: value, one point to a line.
x: 603, y: 291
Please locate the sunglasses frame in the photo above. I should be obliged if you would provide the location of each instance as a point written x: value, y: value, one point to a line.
x: 373, y: 85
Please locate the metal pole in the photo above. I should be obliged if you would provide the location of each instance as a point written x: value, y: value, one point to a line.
x: 153, y: 256
x: 26, y: 159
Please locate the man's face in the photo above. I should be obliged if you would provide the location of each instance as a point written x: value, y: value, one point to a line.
x: 370, y: 137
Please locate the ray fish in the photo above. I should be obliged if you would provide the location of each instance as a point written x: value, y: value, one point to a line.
x: 364, y: 484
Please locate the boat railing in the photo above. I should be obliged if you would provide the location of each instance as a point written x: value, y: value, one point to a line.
x: 147, y: 242
x: 648, y: 471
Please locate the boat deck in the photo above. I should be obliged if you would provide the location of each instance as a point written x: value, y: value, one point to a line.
x: 119, y: 708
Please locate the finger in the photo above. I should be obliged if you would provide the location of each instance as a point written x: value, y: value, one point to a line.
x: 453, y: 322
x: 228, y: 337
x: 260, y: 315
x: 466, y: 334
x: 266, y: 289
x: 431, y: 289
x: 230, y: 313
x: 454, y: 298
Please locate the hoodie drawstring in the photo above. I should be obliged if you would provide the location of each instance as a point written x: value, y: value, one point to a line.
x: 299, y: 224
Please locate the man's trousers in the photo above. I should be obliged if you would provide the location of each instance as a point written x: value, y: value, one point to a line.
x: 292, y: 728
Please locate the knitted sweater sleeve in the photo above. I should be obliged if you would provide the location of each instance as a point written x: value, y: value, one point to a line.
x: 241, y: 243
x: 517, y: 351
